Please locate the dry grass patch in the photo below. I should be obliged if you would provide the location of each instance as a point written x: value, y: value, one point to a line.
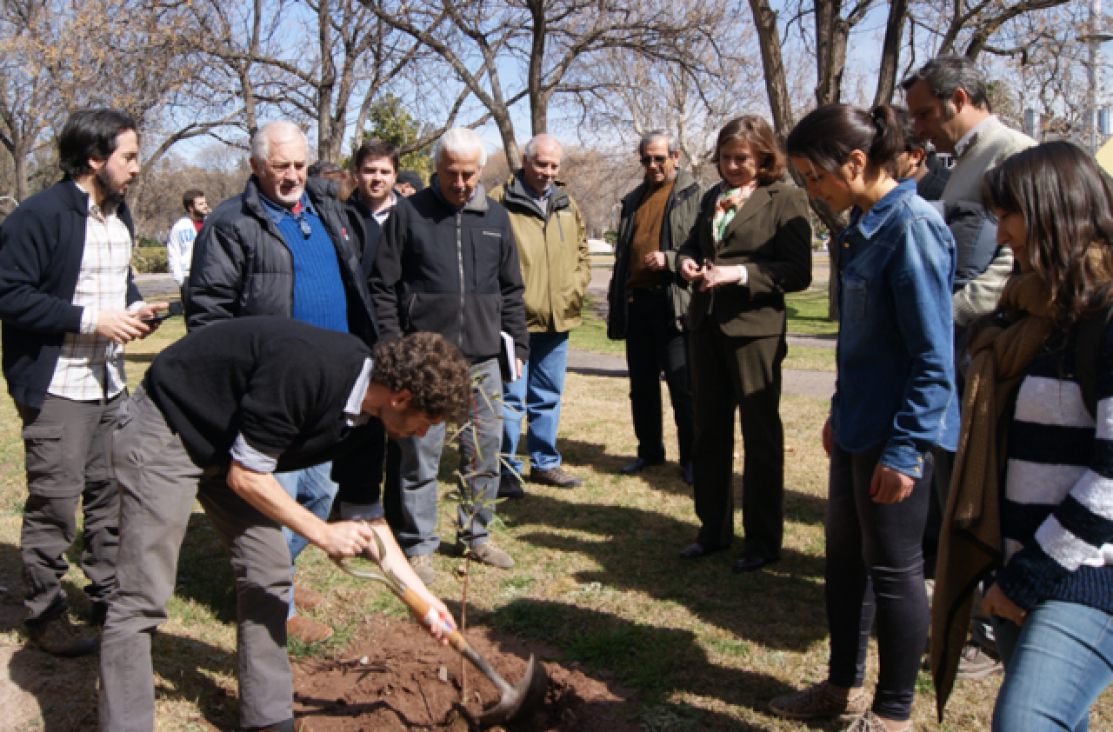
x: 597, y: 577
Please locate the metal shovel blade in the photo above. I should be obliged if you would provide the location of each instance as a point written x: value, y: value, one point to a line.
x: 519, y: 701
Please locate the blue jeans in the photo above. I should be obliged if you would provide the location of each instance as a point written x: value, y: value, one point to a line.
x: 536, y: 395
x: 1056, y: 665
x: 313, y: 489
x: 412, y: 467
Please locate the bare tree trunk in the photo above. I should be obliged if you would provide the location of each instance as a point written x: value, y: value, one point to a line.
x: 22, y: 189
x: 538, y: 101
x: 890, y: 52
x: 776, y: 82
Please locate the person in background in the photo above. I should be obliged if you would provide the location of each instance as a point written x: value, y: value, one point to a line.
x: 894, y: 403
x: 448, y: 264
x: 287, y: 247
x: 556, y: 268
x: 751, y: 244
x: 919, y: 161
x: 373, y: 199
x: 948, y: 99
x: 179, y: 245
x: 408, y: 183
x: 68, y: 305
x: 648, y: 303
x: 1040, y: 388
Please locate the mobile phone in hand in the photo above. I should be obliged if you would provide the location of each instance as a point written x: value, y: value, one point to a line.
x: 174, y: 309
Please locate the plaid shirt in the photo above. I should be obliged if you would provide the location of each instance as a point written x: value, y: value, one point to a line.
x: 91, y: 367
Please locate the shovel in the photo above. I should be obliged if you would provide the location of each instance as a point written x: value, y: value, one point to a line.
x: 516, y: 702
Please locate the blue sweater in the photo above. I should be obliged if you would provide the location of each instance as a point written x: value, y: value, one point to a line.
x: 1057, y: 512
x: 319, y: 297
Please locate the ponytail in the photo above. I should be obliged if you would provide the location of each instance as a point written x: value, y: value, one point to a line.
x: 827, y: 136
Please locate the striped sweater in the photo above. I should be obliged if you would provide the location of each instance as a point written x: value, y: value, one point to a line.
x: 1057, y: 512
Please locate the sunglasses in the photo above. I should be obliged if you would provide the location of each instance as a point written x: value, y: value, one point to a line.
x: 648, y: 159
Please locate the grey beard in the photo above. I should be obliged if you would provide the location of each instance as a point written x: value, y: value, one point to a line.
x: 112, y: 197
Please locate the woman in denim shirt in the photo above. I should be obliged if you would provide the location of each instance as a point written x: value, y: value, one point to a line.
x: 894, y: 402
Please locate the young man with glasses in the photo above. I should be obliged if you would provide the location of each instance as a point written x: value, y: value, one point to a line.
x: 647, y: 300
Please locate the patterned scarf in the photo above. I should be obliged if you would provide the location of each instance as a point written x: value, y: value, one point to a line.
x: 729, y: 203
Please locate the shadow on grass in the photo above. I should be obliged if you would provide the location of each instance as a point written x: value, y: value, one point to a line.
x: 781, y: 608
x: 655, y: 662
x: 66, y: 688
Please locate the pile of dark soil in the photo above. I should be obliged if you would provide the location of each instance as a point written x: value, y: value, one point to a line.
x: 395, y: 677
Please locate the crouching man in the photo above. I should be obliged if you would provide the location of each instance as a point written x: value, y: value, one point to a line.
x: 217, y: 413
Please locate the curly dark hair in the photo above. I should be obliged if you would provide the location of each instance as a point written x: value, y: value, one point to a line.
x: 432, y: 369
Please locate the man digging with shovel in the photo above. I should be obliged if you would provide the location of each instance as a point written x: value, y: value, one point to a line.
x: 217, y: 413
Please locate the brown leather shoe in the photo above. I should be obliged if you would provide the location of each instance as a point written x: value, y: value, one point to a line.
x: 306, y: 630
x: 60, y: 637
x: 306, y: 599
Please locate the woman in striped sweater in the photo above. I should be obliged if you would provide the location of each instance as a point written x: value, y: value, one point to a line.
x: 1052, y: 601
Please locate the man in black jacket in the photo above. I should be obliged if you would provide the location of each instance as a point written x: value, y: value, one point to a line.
x: 287, y: 247
x: 448, y: 264
x: 68, y: 305
x: 217, y: 413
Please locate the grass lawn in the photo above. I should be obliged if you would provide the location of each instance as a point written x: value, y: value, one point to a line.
x: 597, y: 577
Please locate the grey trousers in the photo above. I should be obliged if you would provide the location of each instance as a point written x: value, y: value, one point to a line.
x: 412, y: 478
x: 68, y: 446
x: 158, y: 482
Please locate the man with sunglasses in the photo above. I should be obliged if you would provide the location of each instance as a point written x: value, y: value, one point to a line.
x: 286, y: 247
x: 648, y: 302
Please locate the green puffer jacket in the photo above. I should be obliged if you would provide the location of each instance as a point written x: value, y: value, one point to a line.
x: 552, y: 247
x: 681, y: 212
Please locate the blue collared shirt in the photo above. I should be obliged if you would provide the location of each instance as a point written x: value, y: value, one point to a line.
x: 896, y: 374
x: 276, y: 211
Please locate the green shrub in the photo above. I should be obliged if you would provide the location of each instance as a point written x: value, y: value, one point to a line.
x: 146, y: 243
x: 149, y: 260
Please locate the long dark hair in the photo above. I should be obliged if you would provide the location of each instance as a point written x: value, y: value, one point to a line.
x: 1066, y: 202
x: 828, y: 135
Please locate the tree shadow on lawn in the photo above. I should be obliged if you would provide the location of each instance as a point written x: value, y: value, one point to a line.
x: 66, y: 689
x: 781, y: 608
x: 667, y: 478
x: 655, y: 662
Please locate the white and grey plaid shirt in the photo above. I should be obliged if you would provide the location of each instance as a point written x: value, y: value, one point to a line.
x: 91, y: 367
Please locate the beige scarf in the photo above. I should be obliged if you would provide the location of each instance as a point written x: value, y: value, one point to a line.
x: 970, y: 543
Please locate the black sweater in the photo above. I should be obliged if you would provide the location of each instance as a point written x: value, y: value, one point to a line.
x: 281, y: 383
x: 41, y: 246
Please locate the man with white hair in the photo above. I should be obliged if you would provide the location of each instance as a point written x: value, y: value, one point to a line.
x: 556, y: 268
x: 286, y: 247
x: 447, y: 263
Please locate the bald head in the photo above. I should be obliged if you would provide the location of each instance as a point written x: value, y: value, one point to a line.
x: 541, y: 163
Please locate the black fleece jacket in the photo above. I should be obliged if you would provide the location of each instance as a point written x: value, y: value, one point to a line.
x: 451, y: 272
x: 41, y: 246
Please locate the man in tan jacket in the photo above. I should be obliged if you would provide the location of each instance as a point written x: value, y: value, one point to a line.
x: 552, y: 247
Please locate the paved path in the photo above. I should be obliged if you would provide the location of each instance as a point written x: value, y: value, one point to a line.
x: 801, y: 383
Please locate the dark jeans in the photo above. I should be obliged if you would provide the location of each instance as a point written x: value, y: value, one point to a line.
x: 654, y: 344
x: 738, y: 375
x: 875, y: 569
x: 68, y: 446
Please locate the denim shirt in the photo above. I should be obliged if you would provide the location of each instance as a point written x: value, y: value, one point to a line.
x: 896, y: 376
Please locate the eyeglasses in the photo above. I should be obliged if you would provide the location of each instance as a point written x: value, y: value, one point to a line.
x: 647, y: 159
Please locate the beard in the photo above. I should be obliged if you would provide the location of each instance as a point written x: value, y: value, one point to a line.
x: 113, y: 195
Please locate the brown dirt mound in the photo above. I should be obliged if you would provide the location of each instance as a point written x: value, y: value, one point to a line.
x: 396, y: 678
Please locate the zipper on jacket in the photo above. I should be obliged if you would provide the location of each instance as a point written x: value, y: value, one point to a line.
x: 460, y: 263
